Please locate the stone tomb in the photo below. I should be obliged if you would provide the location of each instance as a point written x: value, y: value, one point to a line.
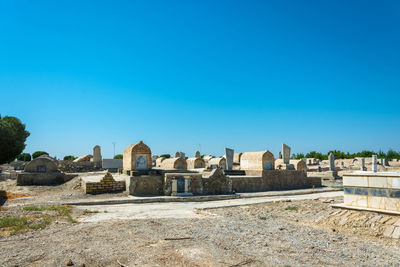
x: 195, y: 163
x: 261, y: 160
x: 215, y: 163
x: 137, y: 157
x: 42, y: 171
x: 173, y: 163
x: 207, y: 183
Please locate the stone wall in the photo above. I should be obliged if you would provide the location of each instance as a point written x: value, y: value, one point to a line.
x: 145, y: 185
x: 106, y: 185
x: 257, y: 181
x: 83, y: 166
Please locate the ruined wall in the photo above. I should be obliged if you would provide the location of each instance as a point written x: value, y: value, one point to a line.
x: 216, y: 183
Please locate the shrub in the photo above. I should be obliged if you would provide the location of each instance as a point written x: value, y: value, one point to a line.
x: 38, y: 154
x: 24, y: 157
x: 118, y: 156
x: 70, y: 157
x: 165, y: 156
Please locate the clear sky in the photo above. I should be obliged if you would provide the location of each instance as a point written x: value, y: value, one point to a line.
x: 184, y: 75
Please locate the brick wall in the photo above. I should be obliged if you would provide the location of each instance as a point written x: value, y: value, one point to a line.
x: 106, y: 185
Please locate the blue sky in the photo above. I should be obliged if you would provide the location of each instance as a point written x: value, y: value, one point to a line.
x: 185, y: 75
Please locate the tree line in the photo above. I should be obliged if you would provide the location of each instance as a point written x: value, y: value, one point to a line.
x: 389, y: 155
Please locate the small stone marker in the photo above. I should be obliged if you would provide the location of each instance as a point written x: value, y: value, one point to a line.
x: 331, y: 162
x: 96, y: 154
x: 280, y: 155
x: 180, y: 155
x: 363, y: 164
x: 374, y: 164
x: 285, y: 153
x: 197, y: 155
x: 293, y: 156
x: 229, y: 158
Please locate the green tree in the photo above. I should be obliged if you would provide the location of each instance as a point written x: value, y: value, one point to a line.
x: 338, y: 154
x: 118, y: 156
x: 364, y: 154
x: 12, y: 138
x: 69, y: 157
x: 165, y: 156
x: 300, y: 156
x: 317, y: 155
x: 24, y: 157
x: 38, y: 154
x: 391, y: 155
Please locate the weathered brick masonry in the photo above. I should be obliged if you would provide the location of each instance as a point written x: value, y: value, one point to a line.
x: 106, y: 185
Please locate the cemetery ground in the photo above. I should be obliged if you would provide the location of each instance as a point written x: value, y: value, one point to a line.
x: 275, y: 230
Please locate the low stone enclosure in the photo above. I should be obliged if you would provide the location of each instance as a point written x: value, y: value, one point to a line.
x: 180, y: 182
x: 215, y: 181
x: 265, y: 180
x: 42, y: 171
x: 106, y: 185
x: 379, y: 191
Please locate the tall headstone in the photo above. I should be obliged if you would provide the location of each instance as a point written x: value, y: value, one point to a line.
x: 382, y: 161
x: 285, y: 154
x: 331, y: 162
x: 177, y: 155
x: 293, y: 156
x: 229, y: 158
x: 96, y: 154
x: 197, y: 155
x: 374, y: 164
x: 280, y: 155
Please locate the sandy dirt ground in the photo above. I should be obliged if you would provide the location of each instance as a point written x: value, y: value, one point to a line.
x: 289, y: 231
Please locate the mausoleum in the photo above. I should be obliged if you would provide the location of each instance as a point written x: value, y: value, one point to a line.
x: 174, y: 163
x: 260, y: 160
x: 195, y: 163
x: 137, y: 157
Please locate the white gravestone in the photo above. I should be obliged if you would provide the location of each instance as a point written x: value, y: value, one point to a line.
x: 229, y: 158
x: 285, y: 154
x: 374, y: 164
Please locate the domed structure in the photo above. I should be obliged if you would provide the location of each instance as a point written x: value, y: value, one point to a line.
x: 174, y: 163
x: 42, y: 164
x: 195, y: 163
x: 261, y: 160
x: 137, y: 157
